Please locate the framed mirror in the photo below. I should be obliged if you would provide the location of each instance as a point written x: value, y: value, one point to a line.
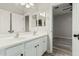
x: 42, y: 19
x: 40, y: 22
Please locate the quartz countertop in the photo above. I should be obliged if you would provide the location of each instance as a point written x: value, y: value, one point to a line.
x: 6, y: 43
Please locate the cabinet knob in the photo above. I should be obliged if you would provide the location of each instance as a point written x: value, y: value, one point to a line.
x: 21, y: 54
x: 35, y: 46
x: 38, y: 45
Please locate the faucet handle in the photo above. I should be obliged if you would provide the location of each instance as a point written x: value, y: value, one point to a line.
x: 17, y: 35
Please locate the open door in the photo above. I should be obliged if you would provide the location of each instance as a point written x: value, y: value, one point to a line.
x: 75, y: 30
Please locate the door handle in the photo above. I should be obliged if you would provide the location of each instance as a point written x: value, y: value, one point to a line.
x: 76, y: 35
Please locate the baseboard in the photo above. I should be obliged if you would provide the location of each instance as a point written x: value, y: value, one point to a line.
x: 48, y: 51
x: 62, y: 37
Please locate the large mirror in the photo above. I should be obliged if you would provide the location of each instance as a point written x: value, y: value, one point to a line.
x: 11, y: 18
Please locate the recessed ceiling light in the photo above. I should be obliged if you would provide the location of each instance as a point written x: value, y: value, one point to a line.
x: 27, y: 5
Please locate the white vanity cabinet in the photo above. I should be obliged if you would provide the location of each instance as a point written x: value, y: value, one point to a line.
x: 17, y: 50
x: 36, y: 47
x: 2, y: 52
x: 33, y: 48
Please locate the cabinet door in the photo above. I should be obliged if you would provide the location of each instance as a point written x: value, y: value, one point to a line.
x: 15, y: 51
x: 39, y: 48
x: 42, y: 46
x: 36, y: 47
x: 30, y: 49
x: 2, y: 52
x: 44, y: 41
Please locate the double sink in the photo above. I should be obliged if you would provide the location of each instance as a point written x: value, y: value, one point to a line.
x: 6, y: 42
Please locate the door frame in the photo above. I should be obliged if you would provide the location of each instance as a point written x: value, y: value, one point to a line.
x: 72, y: 22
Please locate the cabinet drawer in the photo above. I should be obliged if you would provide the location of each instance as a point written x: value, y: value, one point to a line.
x: 15, y: 51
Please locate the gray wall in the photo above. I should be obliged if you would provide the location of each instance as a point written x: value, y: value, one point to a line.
x: 63, y: 26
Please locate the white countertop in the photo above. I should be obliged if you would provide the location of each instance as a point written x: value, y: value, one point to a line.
x: 5, y: 43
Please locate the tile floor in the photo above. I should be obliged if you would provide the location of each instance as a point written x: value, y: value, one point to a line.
x: 62, y: 47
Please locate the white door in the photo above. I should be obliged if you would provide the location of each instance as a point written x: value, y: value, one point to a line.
x: 75, y: 31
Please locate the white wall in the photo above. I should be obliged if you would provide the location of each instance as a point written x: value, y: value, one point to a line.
x: 63, y: 26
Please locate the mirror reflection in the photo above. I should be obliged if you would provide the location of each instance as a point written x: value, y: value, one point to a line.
x: 42, y: 19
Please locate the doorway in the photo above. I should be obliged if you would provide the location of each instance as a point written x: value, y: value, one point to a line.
x: 26, y: 23
x: 62, y: 30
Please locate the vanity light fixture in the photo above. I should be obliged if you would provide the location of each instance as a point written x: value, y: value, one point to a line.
x: 42, y: 14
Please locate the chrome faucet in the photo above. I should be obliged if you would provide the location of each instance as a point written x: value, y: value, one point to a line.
x: 17, y: 35
x: 34, y: 32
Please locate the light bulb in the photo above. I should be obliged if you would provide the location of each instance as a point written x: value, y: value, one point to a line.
x: 27, y: 6
x: 42, y: 14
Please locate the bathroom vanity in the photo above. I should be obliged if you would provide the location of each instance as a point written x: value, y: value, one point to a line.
x: 24, y: 45
x: 32, y: 45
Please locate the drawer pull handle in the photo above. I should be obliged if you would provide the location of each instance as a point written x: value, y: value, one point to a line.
x: 35, y: 46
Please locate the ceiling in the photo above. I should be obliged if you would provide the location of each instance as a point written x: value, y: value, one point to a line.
x: 62, y: 9
x: 14, y: 7
x: 18, y: 8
